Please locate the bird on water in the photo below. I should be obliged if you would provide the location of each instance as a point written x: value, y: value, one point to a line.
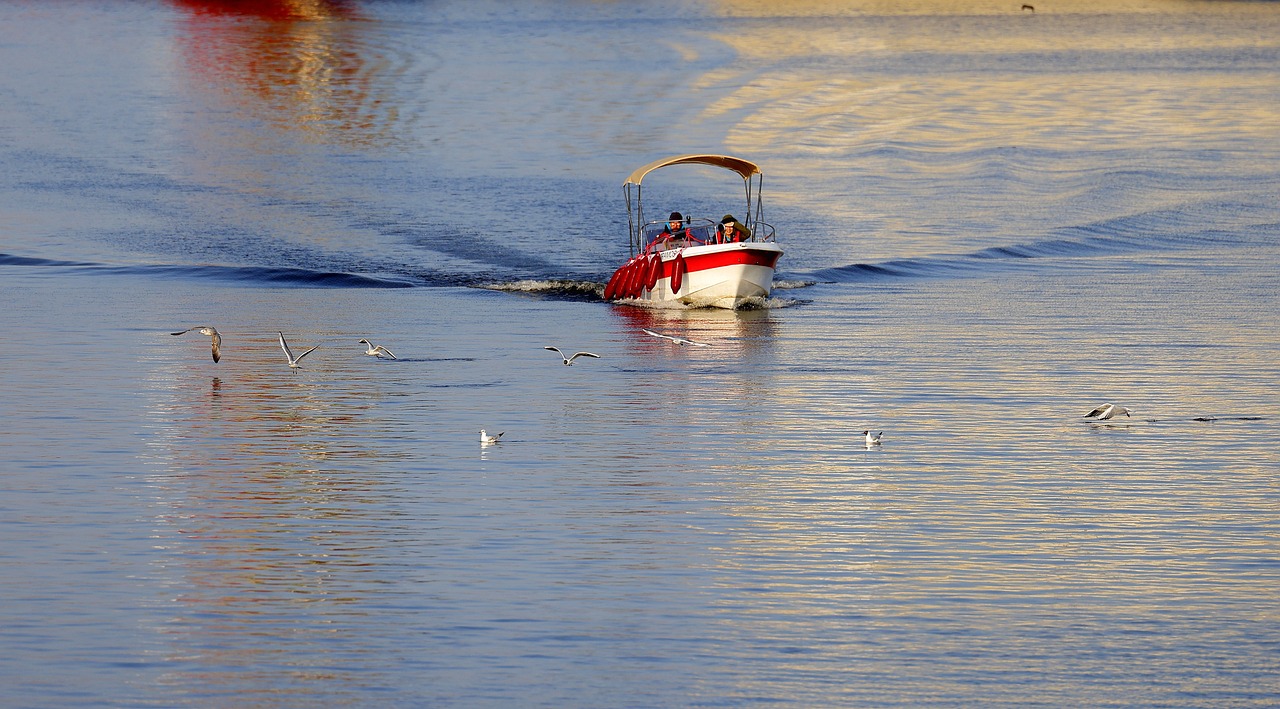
x: 1107, y: 411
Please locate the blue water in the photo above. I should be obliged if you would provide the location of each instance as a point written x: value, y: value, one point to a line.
x: 994, y: 220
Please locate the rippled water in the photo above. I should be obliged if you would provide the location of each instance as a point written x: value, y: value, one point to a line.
x: 993, y: 221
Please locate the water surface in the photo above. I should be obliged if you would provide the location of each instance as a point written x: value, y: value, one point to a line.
x: 994, y: 220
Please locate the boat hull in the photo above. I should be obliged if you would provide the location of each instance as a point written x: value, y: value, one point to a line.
x: 718, y: 275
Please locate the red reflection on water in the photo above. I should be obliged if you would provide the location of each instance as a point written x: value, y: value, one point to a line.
x: 272, y: 9
x: 305, y: 67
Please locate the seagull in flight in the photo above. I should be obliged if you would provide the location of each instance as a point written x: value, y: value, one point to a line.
x: 1107, y: 411
x: 487, y: 440
x: 293, y: 361
x: 677, y: 340
x: 569, y: 360
x: 872, y: 440
x: 212, y: 332
x: 377, y: 350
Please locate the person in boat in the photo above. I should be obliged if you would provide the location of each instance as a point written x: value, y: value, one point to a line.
x: 675, y: 226
x: 673, y: 230
x: 733, y: 230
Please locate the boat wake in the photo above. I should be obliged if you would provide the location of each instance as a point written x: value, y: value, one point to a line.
x: 792, y: 285
x: 1164, y: 231
x: 1159, y: 231
x: 242, y: 275
x: 575, y: 289
x: 557, y: 288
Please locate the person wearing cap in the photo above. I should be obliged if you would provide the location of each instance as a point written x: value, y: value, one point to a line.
x: 674, y: 224
x: 674, y: 228
x: 734, y: 230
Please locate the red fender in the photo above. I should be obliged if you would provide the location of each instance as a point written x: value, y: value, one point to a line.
x: 623, y: 288
x: 653, y: 271
x: 642, y: 275
x: 677, y: 274
x: 635, y: 278
x: 624, y: 281
x: 612, y: 285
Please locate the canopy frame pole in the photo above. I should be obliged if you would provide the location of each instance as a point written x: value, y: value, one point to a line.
x: 745, y: 169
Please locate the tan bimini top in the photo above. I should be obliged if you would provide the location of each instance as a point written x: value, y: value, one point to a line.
x: 745, y: 168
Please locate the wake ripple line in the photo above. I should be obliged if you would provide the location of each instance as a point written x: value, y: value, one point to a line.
x: 245, y: 275
x: 1129, y: 234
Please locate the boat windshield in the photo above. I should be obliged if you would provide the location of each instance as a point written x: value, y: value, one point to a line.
x: 697, y: 231
x: 645, y: 236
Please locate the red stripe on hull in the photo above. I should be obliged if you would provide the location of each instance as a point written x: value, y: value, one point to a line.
x: 702, y: 262
x: 721, y: 275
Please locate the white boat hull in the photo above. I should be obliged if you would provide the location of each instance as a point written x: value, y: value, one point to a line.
x: 720, y: 275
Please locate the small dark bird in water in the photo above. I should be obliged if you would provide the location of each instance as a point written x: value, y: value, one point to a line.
x: 1029, y: 7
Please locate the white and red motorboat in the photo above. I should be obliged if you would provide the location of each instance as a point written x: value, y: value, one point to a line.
x: 697, y: 261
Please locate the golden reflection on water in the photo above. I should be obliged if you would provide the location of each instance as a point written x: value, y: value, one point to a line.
x: 701, y: 391
x: 800, y: 94
x: 305, y: 68
x: 266, y: 497
x: 993, y: 497
x: 943, y: 8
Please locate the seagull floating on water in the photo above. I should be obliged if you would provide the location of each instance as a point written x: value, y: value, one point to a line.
x: 212, y: 332
x: 377, y: 350
x: 293, y: 361
x: 487, y: 440
x: 677, y: 340
x: 1107, y: 411
x: 569, y: 360
x: 873, y: 440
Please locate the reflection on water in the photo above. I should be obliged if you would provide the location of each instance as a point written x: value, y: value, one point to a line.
x: 887, y: 107
x: 274, y: 10
x: 275, y: 508
x: 666, y: 525
x: 943, y: 8
x: 732, y: 334
x: 306, y: 68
